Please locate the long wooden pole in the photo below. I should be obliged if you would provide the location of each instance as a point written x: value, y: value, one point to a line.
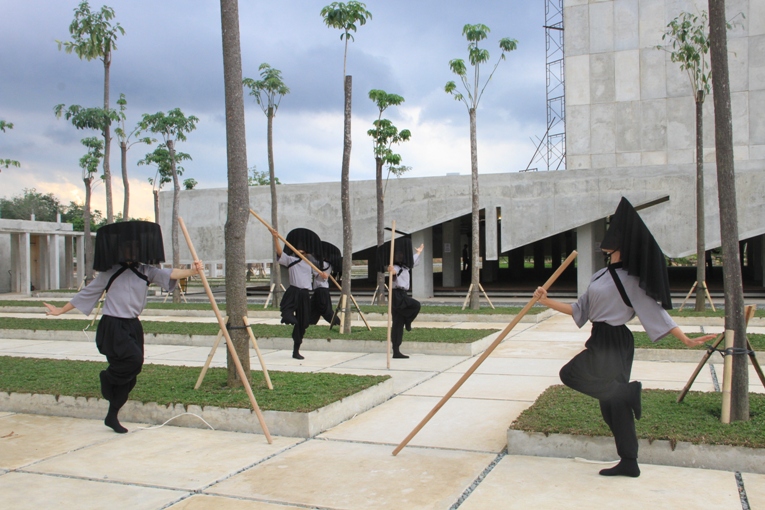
x: 390, y: 287
x: 209, y: 360
x: 257, y: 351
x: 229, y: 343
x: 269, y: 227
x: 485, y: 354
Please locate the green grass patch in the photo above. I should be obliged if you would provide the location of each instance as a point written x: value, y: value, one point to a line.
x: 642, y: 341
x: 163, y: 384
x: 457, y: 310
x: 561, y: 410
x: 719, y: 312
x: 447, y: 335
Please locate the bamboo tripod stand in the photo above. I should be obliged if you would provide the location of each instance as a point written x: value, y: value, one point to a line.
x: 271, y: 293
x: 748, y: 314
x: 485, y: 354
x: 215, y: 347
x: 470, y: 289
x: 706, y: 291
x: 269, y: 227
x: 239, y: 369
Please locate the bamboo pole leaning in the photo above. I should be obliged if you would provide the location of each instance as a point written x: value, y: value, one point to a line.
x: 269, y: 227
x: 229, y: 343
x: 485, y: 354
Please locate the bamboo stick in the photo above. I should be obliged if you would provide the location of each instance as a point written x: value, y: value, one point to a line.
x: 257, y: 351
x: 485, y: 354
x: 390, y: 287
x: 209, y: 360
x: 229, y: 343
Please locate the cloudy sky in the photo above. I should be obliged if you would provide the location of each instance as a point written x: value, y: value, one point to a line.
x: 171, y: 56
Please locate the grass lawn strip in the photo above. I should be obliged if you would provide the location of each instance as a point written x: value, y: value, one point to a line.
x: 561, y: 410
x: 447, y: 335
x: 165, y: 385
x: 642, y: 341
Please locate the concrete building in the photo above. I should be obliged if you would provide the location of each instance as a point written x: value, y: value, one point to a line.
x: 629, y: 132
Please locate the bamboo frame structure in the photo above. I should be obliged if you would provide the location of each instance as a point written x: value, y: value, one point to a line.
x: 485, y: 354
x: 470, y: 289
x: 706, y: 291
x: 229, y: 343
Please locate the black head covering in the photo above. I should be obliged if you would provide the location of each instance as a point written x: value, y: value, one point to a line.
x: 128, y: 241
x: 641, y: 255
x: 402, y: 256
x: 305, y: 240
x: 331, y: 254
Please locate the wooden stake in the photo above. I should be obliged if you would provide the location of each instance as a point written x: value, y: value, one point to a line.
x: 390, y: 292
x: 485, y: 354
x: 229, y: 343
x: 727, y: 377
x: 209, y: 358
x: 467, y: 298
x: 257, y: 351
x: 486, y: 296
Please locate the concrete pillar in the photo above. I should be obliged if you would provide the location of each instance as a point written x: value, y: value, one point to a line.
x: 589, y: 256
x: 68, y: 280
x: 80, y: 261
x: 22, y: 280
x: 422, y: 275
x: 43, y: 275
x: 490, y: 234
x: 54, y: 261
x: 451, y: 261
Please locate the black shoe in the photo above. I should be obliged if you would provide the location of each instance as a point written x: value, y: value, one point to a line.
x: 626, y: 467
x: 399, y: 355
x: 297, y: 355
x: 634, y: 400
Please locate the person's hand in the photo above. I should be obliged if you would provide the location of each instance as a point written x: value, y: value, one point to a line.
x: 420, y: 248
x: 391, y: 270
x: 52, y: 310
x: 540, y: 293
x: 199, y: 266
x: 693, y: 342
x: 323, y: 275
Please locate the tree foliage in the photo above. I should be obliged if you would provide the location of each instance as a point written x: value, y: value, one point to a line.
x: 124, y: 140
x: 260, y: 178
x: 93, y: 34
x: 345, y: 17
x: 269, y: 90
x: 22, y: 207
x: 7, y: 163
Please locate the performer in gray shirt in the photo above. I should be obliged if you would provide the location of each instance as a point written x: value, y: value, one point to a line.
x: 404, y: 308
x: 123, y: 251
x: 634, y: 283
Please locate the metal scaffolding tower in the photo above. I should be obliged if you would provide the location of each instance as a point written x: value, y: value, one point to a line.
x: 551, y: 149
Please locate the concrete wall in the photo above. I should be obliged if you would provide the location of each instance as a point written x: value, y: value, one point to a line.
x: 629, y: 105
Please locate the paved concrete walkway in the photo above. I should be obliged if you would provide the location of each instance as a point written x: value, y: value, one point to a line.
x: 457, y: 460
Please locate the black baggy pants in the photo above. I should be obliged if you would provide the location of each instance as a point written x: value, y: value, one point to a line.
x: 404, y: 310
x: 602, y: 371
x: 296, y: 309
x: 121, y: 341
x: 321, y: 305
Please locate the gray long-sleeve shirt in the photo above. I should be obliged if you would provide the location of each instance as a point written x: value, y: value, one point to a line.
x: 403, y: 274
x: 318, y: 281
x: 300, y: 273
x: 128, y: 294
x: 603, y: 303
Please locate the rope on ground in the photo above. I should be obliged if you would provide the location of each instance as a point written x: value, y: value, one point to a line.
x: 174, y: 417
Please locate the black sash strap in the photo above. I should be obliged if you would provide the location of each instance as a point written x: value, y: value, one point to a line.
x: 618, y: 282
x: 298, y: 261
x: 121, y: 270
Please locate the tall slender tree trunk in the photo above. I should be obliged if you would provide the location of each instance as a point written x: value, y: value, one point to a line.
x: 107, y: 143
x: 380, y: 295
x: 276, y: 273
x: 176, y: 205
x: 475, y: 216
x: 346, y: 206
x: 700, y: 229
x: 125, y: 183
x: 726, y: 186
x: 155, y: 192
x: 238, y: 189
x: 88, y: 269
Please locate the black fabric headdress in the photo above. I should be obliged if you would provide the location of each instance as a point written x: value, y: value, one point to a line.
x: 305, y: 240
x: 402, y: 256
x: 641, y: 255
x: 128, y: 241
x: 332, y: 255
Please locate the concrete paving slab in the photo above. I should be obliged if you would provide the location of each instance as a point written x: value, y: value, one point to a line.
x: 537, y: 335
x: 205, y: 502
x: 466, y: 424
x: 416, y: 362
x: 26, y: 439
x: 402, y: 379
x: 486, y: 386
x: 313, y: 359
x: 339, y: 475
x: 535, y: 482
x: 514, y: 366
x: 29, y: 491
x: 168, y: 457
x: 523, y: 348
x: 663, y: 371
x: 755, y: 490
x: 10, y: 344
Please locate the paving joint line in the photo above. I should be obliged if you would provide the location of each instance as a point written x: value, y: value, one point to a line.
x: 742, y: 491
x: 479, y: 479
